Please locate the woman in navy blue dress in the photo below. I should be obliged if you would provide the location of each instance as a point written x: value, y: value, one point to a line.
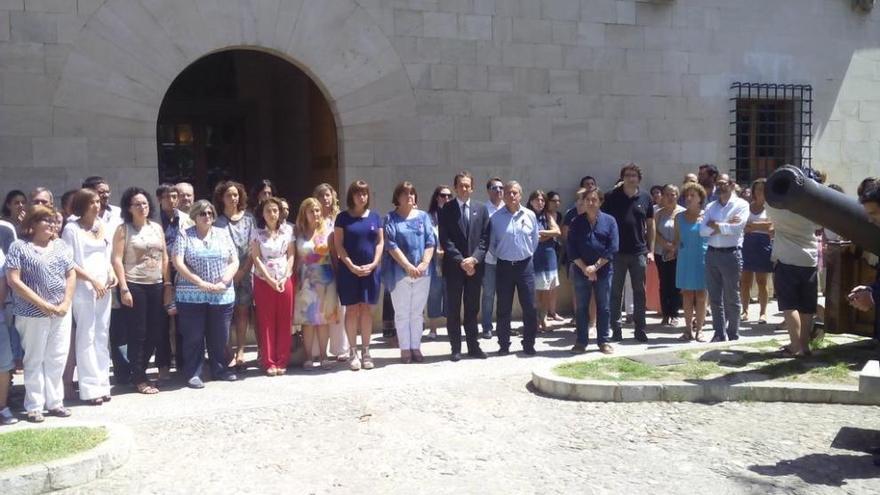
x: 359, y: 241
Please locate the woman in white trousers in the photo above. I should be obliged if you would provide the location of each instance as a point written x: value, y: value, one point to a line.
x: 40, y: 271
x: 410, y: 241
x: 90, y: 243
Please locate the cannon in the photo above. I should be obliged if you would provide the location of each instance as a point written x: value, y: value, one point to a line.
x: 789, y: 188
x: 792, y: 189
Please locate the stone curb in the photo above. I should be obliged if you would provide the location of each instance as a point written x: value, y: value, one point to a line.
x: 553, y: 385
x: 71, y: 471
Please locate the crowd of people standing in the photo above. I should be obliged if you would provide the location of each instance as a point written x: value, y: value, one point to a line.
x: 94, y: 285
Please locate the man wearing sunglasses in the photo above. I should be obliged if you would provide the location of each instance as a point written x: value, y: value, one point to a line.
x: 724, y: 224
x: 495, y: 192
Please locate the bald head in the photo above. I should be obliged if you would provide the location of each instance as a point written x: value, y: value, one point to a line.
x: 185, y: 196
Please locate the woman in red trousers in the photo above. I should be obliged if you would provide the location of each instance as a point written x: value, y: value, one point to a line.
x: 272, y: 251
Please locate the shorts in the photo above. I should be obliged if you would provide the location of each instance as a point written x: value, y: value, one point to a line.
x: 797, y: 287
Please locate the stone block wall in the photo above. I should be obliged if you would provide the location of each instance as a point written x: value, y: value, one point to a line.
x: 543, y: 91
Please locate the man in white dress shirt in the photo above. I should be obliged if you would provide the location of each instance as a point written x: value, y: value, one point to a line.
x: 495, y: 191
x: 724, y: 224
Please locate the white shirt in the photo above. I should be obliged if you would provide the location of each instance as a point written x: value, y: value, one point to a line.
x: 491, y: 209
x: 794, y: 239
x: 729, y: 234
x: 112, y: 218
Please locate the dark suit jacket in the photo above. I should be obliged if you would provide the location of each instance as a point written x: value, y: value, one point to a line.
x: 452, y: 236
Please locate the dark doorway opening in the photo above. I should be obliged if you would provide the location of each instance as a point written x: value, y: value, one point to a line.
x: 247, y: 115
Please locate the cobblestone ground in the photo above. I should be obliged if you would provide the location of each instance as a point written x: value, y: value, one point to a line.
x: 475, y: 426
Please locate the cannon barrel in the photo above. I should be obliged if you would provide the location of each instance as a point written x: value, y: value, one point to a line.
x: 789, y: 188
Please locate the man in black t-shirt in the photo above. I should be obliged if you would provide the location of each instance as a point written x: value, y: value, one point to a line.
x: 632, y: 209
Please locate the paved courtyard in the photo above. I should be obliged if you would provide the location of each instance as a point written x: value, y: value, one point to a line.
x: 475, y: 427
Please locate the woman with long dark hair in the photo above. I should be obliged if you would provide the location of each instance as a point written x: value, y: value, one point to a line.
x: 140, y: 259
x: 437, y: 291
x: 545, y: 262
x: 230, y: 202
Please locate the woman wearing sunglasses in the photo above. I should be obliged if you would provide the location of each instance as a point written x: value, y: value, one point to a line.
x: 206, y: 260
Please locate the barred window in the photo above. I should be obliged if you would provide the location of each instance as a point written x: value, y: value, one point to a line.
x: 771, y: 126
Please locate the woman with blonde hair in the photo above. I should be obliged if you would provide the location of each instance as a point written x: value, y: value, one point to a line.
x: 317, y: 305
x: 329, y: 201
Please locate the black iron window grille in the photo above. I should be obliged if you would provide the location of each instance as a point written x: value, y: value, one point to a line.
x: 771, y: 125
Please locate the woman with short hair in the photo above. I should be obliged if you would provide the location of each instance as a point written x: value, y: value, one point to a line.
x: 230, y: 202
x: 409, y: 242
x: 592, y: 244
x: 664, y: 254
x: 272, y: 253
x: 207, y: 261
x: 41, y: 273
x: 91, y: 246
x: 690, y: 257
x: 140, y: 259
x: 359, y: 241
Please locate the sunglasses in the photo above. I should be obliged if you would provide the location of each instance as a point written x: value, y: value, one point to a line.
x: 445, y: 195
x: 496, y: 188
x: 207, y: 214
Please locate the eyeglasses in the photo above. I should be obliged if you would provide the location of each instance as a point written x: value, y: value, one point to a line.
x: 497, y: 188
x: 207, y: 214
x: 445, y: 195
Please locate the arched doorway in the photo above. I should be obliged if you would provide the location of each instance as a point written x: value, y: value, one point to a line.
x: 247, y: 115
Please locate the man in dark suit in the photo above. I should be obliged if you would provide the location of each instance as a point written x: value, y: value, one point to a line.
x: 462, y: 224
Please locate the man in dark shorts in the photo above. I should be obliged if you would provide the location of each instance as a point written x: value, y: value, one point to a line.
x: 795, y: 276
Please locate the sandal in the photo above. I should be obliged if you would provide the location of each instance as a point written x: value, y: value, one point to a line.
x: 60, y: 412
x: 367, y: 360
x: 95, y: 402
x: 785, y: 352
x: 698, y: 336
x: 762, y: 320
x: 106, y: 398
x: 686, y: 337
x: 35, y: 417
x: 147, y: 389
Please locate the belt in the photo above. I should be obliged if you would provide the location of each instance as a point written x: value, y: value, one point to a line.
x: 724, y: 249
x: 518, y: 262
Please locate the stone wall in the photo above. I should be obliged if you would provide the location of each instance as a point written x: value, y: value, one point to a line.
x: 539, y: 90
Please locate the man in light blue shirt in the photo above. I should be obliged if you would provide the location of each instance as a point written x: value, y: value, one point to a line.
x: 512, y: 238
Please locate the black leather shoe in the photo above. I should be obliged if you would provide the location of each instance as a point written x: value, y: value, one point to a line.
x: 529, y: 351
x: 478, y: 354
x: 503, y: 351
x: 578, y: 349
x: 616, y: 335
x: 717, y: 338
x: 641, y: 336
x: 456, y: 357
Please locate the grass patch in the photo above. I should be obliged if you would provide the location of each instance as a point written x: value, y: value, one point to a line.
x: 833, y: 363
x: 764, y: 344
x: 32, y: 446
x: 609, y: 369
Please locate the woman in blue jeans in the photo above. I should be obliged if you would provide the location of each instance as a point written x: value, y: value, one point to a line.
x: 592, y: 244
x: 437, y: 291
x: 206, y: 260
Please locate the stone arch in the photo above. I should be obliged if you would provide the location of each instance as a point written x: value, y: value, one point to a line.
x: 128, y: 53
